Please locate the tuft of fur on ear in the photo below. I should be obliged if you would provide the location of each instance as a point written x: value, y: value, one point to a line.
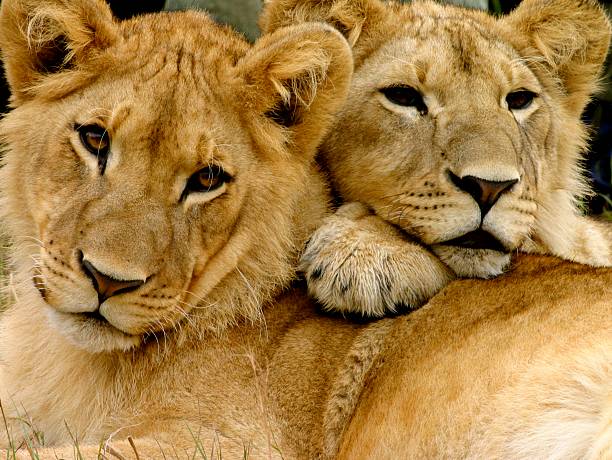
x: 570, y: 36
x: 297, y: 78
x: 350, y: 17
x: 43, y: 38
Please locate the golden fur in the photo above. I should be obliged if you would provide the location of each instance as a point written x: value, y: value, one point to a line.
x: 415, y: 165
x: 516, y: 367
x: 243, y: 366
x: 175, y: 94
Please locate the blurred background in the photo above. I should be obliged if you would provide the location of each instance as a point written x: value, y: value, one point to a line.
x: 242, y: 14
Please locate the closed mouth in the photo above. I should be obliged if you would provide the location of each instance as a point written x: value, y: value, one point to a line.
x: 96, y: 316
x: 92, y: 332
x: 477, y: 239
x: 96, y: 319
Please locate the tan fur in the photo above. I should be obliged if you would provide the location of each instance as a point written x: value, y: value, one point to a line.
x: 398, y: 162
x: 516, y: 367
x: 247, y: 367
x: 175, y: 94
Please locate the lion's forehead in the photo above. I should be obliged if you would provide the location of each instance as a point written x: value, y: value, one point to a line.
x: 171, y: 69
x: 165, y: 53
x: 145, y: 121
x: 444, y: 42
x: 160, y: 109
x: 451, y: 61
x: 192, y: 32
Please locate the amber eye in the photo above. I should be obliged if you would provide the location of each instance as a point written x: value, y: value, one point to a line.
x: 519, y: 100
x: 405, y: 96
x: 206, y: 180
x: 97, y: 141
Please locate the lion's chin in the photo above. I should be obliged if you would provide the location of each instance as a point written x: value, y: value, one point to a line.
x: 473, y: 263
x: 92, y: 334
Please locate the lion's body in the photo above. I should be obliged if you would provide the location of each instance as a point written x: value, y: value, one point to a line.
x: 504, y: 368
x: 283, y: 388
x: 517, y: 367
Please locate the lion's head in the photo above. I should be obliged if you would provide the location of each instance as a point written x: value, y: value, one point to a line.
x: 461, y: 128
x: 161, y: 164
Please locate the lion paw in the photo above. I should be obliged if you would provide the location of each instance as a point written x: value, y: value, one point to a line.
x: 357, y: 263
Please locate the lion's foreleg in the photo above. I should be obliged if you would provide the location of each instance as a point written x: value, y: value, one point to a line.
x: 358, y: 263
x: 580, y: 239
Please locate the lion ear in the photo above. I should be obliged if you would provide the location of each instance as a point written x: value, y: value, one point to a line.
x: 571, y: 37
x: 43, y: 38
x: 296, y: 78
x: 350, y: 17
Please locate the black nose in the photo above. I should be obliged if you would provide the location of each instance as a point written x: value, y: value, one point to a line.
x: 485, y: 192
x: 107, y: 286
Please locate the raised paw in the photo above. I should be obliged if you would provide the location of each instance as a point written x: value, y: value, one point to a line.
x: 358, y: 263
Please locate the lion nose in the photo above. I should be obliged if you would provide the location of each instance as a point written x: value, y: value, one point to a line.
x: 485, y: 192
x: 107, y: 286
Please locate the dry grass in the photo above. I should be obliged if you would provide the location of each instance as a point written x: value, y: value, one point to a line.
x: 3, y: 274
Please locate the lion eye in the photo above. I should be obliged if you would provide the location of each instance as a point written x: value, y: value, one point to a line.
x: 406, y: 96
x: 97, y: 141
x: 519, y: 100
x: 206, y: 180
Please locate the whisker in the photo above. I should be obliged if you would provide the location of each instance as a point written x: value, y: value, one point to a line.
x: 185, y: 315
x: 24, y: 239
x: 399, y: 221
x: 207, y: 303
x: 197, y: 306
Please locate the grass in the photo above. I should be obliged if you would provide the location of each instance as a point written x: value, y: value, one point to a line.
x: 3, y: 274
x: 33, y: 443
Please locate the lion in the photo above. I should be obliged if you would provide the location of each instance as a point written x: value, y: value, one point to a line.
x: 459, y: 144
x: 158, y: 186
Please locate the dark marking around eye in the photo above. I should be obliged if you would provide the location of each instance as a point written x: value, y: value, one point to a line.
x: 405, y: 96
x: 519, y: 100
x: 96, y: 140
x: 205, y: 180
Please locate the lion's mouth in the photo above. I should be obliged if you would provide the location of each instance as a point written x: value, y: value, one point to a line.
x: 96, y: 320
x: 97, y: 317
x: 477, y: 239
x: 92, y: 332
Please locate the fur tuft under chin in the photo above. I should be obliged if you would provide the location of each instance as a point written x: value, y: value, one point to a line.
x: 473, y: 263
